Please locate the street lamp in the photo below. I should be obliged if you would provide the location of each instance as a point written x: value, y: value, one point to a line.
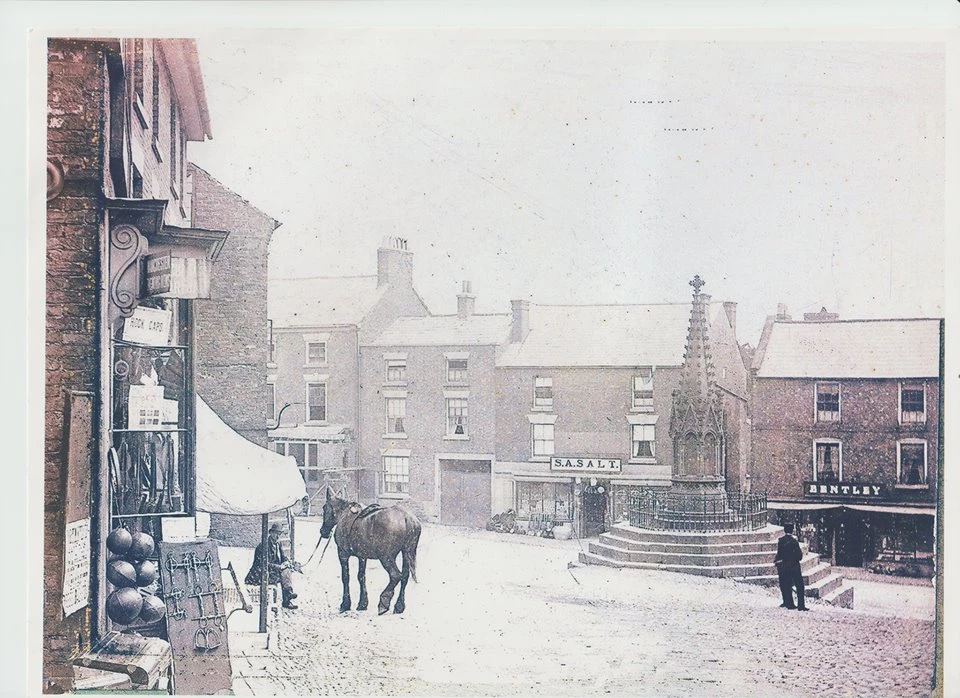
x: 280, y: 414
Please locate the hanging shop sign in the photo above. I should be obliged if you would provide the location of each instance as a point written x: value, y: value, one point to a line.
x: 169, y: 275
x: 148, y: 326
x: 843, y: 490
x: 585, y: 464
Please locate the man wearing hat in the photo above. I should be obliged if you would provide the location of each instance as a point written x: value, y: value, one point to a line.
x: 787, y: 563
x: 279, y: 567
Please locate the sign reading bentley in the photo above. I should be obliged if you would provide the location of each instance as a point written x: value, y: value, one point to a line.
x: 843, y: 489
x: 586, y: 465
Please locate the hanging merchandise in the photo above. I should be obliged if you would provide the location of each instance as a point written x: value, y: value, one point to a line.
x: 130, y: 572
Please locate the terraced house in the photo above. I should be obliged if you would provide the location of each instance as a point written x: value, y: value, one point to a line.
x: 846, y: 434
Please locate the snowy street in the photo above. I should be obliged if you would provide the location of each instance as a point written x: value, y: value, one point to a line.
x: 498, y: 614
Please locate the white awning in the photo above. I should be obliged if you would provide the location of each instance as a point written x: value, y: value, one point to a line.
x: 797, y: 506
x: 309, y: 432
x: 890, y: 509
x: 236, y: 476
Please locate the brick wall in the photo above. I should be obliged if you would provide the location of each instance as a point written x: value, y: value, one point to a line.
x: 231, y: 349
x: 76, y: 91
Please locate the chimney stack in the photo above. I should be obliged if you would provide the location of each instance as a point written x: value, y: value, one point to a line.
x: 520, y: 320
x: 394, y: 263
x: 822, y: 316
x: 782, y: 312
x: 465, y: 302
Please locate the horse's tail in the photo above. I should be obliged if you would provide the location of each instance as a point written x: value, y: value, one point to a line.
x: 410, y: 553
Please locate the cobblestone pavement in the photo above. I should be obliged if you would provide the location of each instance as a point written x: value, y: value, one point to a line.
x: 504, y: 615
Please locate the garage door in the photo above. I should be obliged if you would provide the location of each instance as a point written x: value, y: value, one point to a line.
x: 465, y: 492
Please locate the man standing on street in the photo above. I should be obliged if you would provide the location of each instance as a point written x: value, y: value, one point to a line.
x: 787, y: 562
x: 279, y: 568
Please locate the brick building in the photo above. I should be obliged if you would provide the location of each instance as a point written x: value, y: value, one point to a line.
x: 584, y: 405
x: 427, y: 411
x: 317, y: 327
x: 231, y: 336
x: 846, y: 433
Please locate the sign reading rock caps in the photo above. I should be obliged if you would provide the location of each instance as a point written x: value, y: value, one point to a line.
x: 585, y: 465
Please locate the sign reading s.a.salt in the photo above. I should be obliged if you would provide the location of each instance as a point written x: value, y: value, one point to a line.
x: 585, y: 465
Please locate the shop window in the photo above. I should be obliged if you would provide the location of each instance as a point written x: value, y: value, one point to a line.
x: 643, y: 390
x: 396, y: 370
x: 396, y: 475
x: 457, y: 417
x: 456, y: 370
x: 316, y: 402
x: 827, y: 465
x: 316, y: 353
x: 828, y: 402
x: 644, y: 441
x: 396, y: 408
x: 912, y: 463
x: 543, y: 445
x: 307, y: 456
x: 542, y: 393
x: 912, y: 403
x: 552, y: 501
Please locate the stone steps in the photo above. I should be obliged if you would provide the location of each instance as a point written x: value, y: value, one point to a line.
x: 760, y: 546
x: 767, y: 533
x: 703, y: 557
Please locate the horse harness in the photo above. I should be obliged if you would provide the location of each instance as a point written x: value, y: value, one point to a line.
x: 361, y: 514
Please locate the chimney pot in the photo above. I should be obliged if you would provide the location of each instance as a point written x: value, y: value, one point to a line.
x: 466, y: 301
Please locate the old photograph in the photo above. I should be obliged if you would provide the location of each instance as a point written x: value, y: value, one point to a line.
x: 466, y: 361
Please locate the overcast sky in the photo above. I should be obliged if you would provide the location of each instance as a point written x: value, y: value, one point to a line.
x: 597, y: 170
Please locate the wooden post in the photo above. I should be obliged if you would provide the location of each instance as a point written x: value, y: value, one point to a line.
x: 264, y: 571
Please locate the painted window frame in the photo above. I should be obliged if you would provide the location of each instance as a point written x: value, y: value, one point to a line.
x: 921, y: 416
x: 272, y: 387
x: 457, y: 375
x: 925, y: 482
x: 306, y: 352
x: 396, y: 365
x: 310, y: 469
x: 455, y: 420
x: 642, y: 429
x: 549, y: 445
x: 816, y: 470
x: 641, y: 384
x: 394, y: 481
x: 817, y: 412
x: 389, y: 431
x: 543, y: 402
x: 326, y: 402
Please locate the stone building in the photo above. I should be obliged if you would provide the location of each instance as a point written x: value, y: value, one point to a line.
x: 427, y: 411
x: 318, y: 325
x: 846, y: 433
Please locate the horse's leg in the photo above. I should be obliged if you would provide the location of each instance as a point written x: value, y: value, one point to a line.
x: 362, y: 578
x: 400, y: 605
x: 390, y: 565
x: 345, y: 578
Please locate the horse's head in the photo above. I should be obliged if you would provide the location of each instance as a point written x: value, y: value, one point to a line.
x: 332, y: 508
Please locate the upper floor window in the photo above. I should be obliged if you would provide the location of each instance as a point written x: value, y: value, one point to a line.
x: 307, y: 456
x: 456, y: 370
x: 912, y: 403
x: 456, y: 417
x: 155, y: 108
x: 175, y: 152
x: 316, y: 353
x: 138, y: 106
x: 543, y: 393
x: 644, y: 441
x: 828, y: 402
x: 271, y: 345
x: 827, y: 465
x: 912, y: 462
x: 396, y: 408
x: 643, y: 390
x: 316, y: 402
x: 396, y: 475
x: 543, y: 443
x: 271, y: 401
x: 396, y: 370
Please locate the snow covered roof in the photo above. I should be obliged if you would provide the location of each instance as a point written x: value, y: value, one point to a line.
x: 320, y: 301
x: 445, y: 330
x: 604, y: 335
x: 852, y: 349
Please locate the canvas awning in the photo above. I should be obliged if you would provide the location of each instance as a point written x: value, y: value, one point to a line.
x: 890, y: 509
x: 236, y: 476
x: 330, y: 433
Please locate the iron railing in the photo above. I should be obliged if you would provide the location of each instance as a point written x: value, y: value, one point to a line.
x: 693, y: 511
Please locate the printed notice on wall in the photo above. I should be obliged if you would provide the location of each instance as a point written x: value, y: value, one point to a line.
x: 148, y: 326
x: 76, y: 567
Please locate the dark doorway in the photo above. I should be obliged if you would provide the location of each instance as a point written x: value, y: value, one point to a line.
x: 849, y: 547
x: 593, y: 504
x: 465, y: 492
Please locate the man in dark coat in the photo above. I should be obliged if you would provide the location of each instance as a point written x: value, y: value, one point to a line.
x: 787, y: 562
x: 279, y: 567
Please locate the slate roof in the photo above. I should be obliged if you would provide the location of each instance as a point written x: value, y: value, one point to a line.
x: 852, y: 349
x: 444, y: 330
x: 322, y: 301
x: 604, y: 335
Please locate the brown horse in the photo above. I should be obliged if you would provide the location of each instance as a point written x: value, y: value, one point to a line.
x: 372, y: 533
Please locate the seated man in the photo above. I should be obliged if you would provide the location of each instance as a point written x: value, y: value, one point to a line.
x: 279, y: 568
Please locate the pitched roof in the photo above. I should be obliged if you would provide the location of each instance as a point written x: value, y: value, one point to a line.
x: 445, y: 330
x: 604, y: 335
x: 322, y: 301
x: 852, y: 349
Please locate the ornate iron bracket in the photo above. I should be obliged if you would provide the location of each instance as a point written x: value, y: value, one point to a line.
x: 127, y: 245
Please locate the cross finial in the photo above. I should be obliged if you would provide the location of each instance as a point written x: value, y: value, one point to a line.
x: 697, y: 283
